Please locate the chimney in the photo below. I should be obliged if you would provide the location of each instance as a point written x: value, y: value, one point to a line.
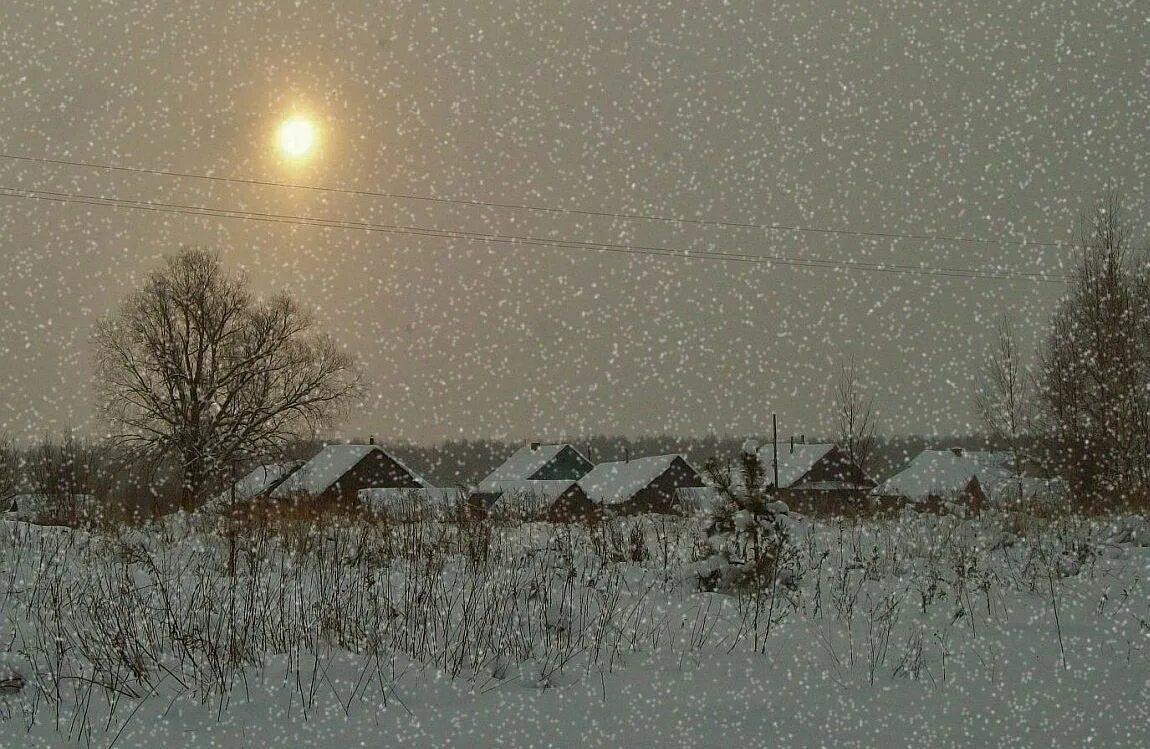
x: 534, y: 446
x: 371, y: 440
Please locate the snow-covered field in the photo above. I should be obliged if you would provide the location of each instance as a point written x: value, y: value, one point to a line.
x: 926, y: 631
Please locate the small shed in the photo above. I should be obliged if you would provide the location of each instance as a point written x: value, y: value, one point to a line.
x: 640, y: 485
x: 338, y: 472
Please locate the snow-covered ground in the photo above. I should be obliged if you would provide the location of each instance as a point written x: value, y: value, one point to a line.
x: 927, y: 631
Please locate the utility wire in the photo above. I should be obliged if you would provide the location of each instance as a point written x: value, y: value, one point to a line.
x: 514, y: 239
x: 545, y: 209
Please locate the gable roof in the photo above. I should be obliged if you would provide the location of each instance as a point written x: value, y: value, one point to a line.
x: 945, y: 472
x: 794, y: 462
x: 617, y: 482
x: 524, y: 463
x: 331, y: 463
x: 416, y: 477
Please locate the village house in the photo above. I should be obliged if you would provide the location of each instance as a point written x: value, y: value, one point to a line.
x: 338, y: 472
x: 639, y: 485
x: 814, y: 467
x: 961, y: 478
x: 816, y: 477
x: 540, y: 462
x: 537, y: 480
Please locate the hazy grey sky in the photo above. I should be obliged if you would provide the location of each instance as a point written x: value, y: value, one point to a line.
x: 987, y: 119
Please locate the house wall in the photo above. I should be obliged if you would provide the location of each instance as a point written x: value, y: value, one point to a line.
x: 567, y: 464
x: 572, y: 505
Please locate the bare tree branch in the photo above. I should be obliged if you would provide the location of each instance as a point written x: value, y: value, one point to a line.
x: 856, y: 421
x: 1004, y: 400
x: 11, y: 467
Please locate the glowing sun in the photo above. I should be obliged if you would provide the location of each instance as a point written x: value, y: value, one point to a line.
x: 296, y: 137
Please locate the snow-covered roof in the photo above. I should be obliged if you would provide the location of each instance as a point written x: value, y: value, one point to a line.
x: 412, y: 502
x: 545, y: 491
x: 613, y: 483
x: 523, y: 464
x: 986, y: 459
x: 794, y: 462
x: 318, y: 474
x: 945, y: 472
x: 418, y: 478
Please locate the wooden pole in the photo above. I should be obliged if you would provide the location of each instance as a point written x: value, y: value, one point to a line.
x: 775, y: 446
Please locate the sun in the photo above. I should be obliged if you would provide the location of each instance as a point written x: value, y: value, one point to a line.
x: 296, y: 137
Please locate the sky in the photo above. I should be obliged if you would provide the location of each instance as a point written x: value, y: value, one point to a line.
x: 982, y: 119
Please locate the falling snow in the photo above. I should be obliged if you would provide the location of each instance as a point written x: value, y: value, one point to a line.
x: 896, y: 253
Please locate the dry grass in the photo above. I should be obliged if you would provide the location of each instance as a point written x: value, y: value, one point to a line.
x: 192, y: 608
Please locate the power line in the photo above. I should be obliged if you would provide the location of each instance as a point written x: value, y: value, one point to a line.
x: 514, y: 239
x: 546, y: 209
x: 319, y: 222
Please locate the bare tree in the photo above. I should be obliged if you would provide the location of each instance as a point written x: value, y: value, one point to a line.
x: 1095, y: 365
x: 192, y: 366
x: 11, y: 467
x: 68, y: 473
x: 856, y: 420
x: 1004, y: 399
